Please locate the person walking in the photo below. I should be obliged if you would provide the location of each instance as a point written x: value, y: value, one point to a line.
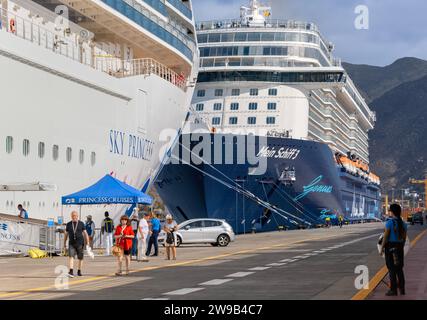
x: 124, y: 236
x: 393, y: 244
x: 90, y: 229
x: 154, y: 234
x: 75, y: 232
x: 143, y: 233
x: 134, y: 224
x: 107, y: 229
x: 23, y: 214
x: 340, y: 220
x: 170, y: 227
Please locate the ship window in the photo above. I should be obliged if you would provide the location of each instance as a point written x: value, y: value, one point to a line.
x: 252, y: 120
x: 241, y: 36
x: 26, y: 147
x: 272, y: 106
x: 272, y: 92
x: 69, y: 154
x: 81, y: 156
x: 235, y: 92
x: 215, y: 37
x: 41, y: 150
x: 202, y: 38
x: 217, y: 106
x: 216, y: 121
x: 55, y: 152
x: 271, y: 120
x: 93, y: 158
x: 254, y: 36
x: 269, y: 36
x: 227, y: 37
x: 253, y: 106
x: 232, y: 120
x: 200, y: 107
x: 254, y: 92
x: 280, y: 36
x: 234, y: 106
x: 201, y: 93
x: 219, y: 92
x: 9, y: 144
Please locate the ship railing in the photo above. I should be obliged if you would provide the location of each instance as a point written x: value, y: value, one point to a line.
x: 34, y: 32
x: 269, y: 23
x: 145, y: 66
x: 82, y: 51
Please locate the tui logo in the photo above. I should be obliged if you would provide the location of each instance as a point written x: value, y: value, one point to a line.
x: 3, y: 226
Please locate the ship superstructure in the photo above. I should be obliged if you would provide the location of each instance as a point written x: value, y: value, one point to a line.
x: 279, y: 80
x: 85, y: 88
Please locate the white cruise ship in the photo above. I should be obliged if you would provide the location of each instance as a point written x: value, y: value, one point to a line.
x: 87, y: 87
x: 277, y: 80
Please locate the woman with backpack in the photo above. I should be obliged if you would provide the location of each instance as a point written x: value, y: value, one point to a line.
x: 393, y: 244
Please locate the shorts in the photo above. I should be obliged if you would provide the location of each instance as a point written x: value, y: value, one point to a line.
x: 127, y: 252
x: 76, y: 250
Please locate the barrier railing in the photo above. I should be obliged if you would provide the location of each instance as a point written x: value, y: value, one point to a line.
x: 77, y: 51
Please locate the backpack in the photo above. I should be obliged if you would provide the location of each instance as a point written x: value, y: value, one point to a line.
x: 26, y: 215
x: 89, y: 227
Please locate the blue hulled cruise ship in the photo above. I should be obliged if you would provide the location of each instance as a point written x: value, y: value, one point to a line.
x: 278, y: 133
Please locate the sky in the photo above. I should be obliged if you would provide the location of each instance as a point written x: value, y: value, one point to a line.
x: 397, y: 28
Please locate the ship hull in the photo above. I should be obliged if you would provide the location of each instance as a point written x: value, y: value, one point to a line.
x: 217, y: 190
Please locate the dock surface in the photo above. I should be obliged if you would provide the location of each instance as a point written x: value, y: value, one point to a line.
x: 303, y: 264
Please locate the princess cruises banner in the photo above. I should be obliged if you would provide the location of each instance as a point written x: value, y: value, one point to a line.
x: 18, y: 237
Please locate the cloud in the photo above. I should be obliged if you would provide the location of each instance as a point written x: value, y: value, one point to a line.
x: 397, y: 28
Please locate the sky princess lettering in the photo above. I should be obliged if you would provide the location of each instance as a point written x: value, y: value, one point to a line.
x: 130, y: 145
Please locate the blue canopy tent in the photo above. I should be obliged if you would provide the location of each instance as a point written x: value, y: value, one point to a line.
x: 108, y: 190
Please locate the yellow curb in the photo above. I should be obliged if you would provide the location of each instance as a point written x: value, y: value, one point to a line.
x: 379, y: 276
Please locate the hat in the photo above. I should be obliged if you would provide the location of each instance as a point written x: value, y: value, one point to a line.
x: 169, y: 216
x: 89, y: 217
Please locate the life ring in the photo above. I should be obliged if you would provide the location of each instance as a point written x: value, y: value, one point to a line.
x: 12, y: 25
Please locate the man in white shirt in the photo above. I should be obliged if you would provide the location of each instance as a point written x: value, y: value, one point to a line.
x: 142, y: 235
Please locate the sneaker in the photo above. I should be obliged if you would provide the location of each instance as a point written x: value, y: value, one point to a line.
x: 70, y: 274
x: 79, y: 273
x: 402, y: 292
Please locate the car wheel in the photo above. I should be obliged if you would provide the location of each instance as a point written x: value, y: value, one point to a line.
x: 223, y: 240
x: 178, y: 241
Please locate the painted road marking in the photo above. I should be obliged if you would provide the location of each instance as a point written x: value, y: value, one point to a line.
x: 155, y: 299
x: 184, y: 263
x: 285, y: 260
x: 259, y: 268
x: 215, y: 282
x: 275, y: 264
x: 181, y: 292
x: 239, y: 274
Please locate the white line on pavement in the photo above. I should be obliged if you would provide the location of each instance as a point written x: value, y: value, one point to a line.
x: 215, y: 282
x: 275, y: 264
x: 183, y: 291
x: 259, y: 268
x: 155, y: 299
x: 239, y: 274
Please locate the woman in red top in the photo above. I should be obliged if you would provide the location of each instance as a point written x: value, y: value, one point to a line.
x: 124, y: 235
